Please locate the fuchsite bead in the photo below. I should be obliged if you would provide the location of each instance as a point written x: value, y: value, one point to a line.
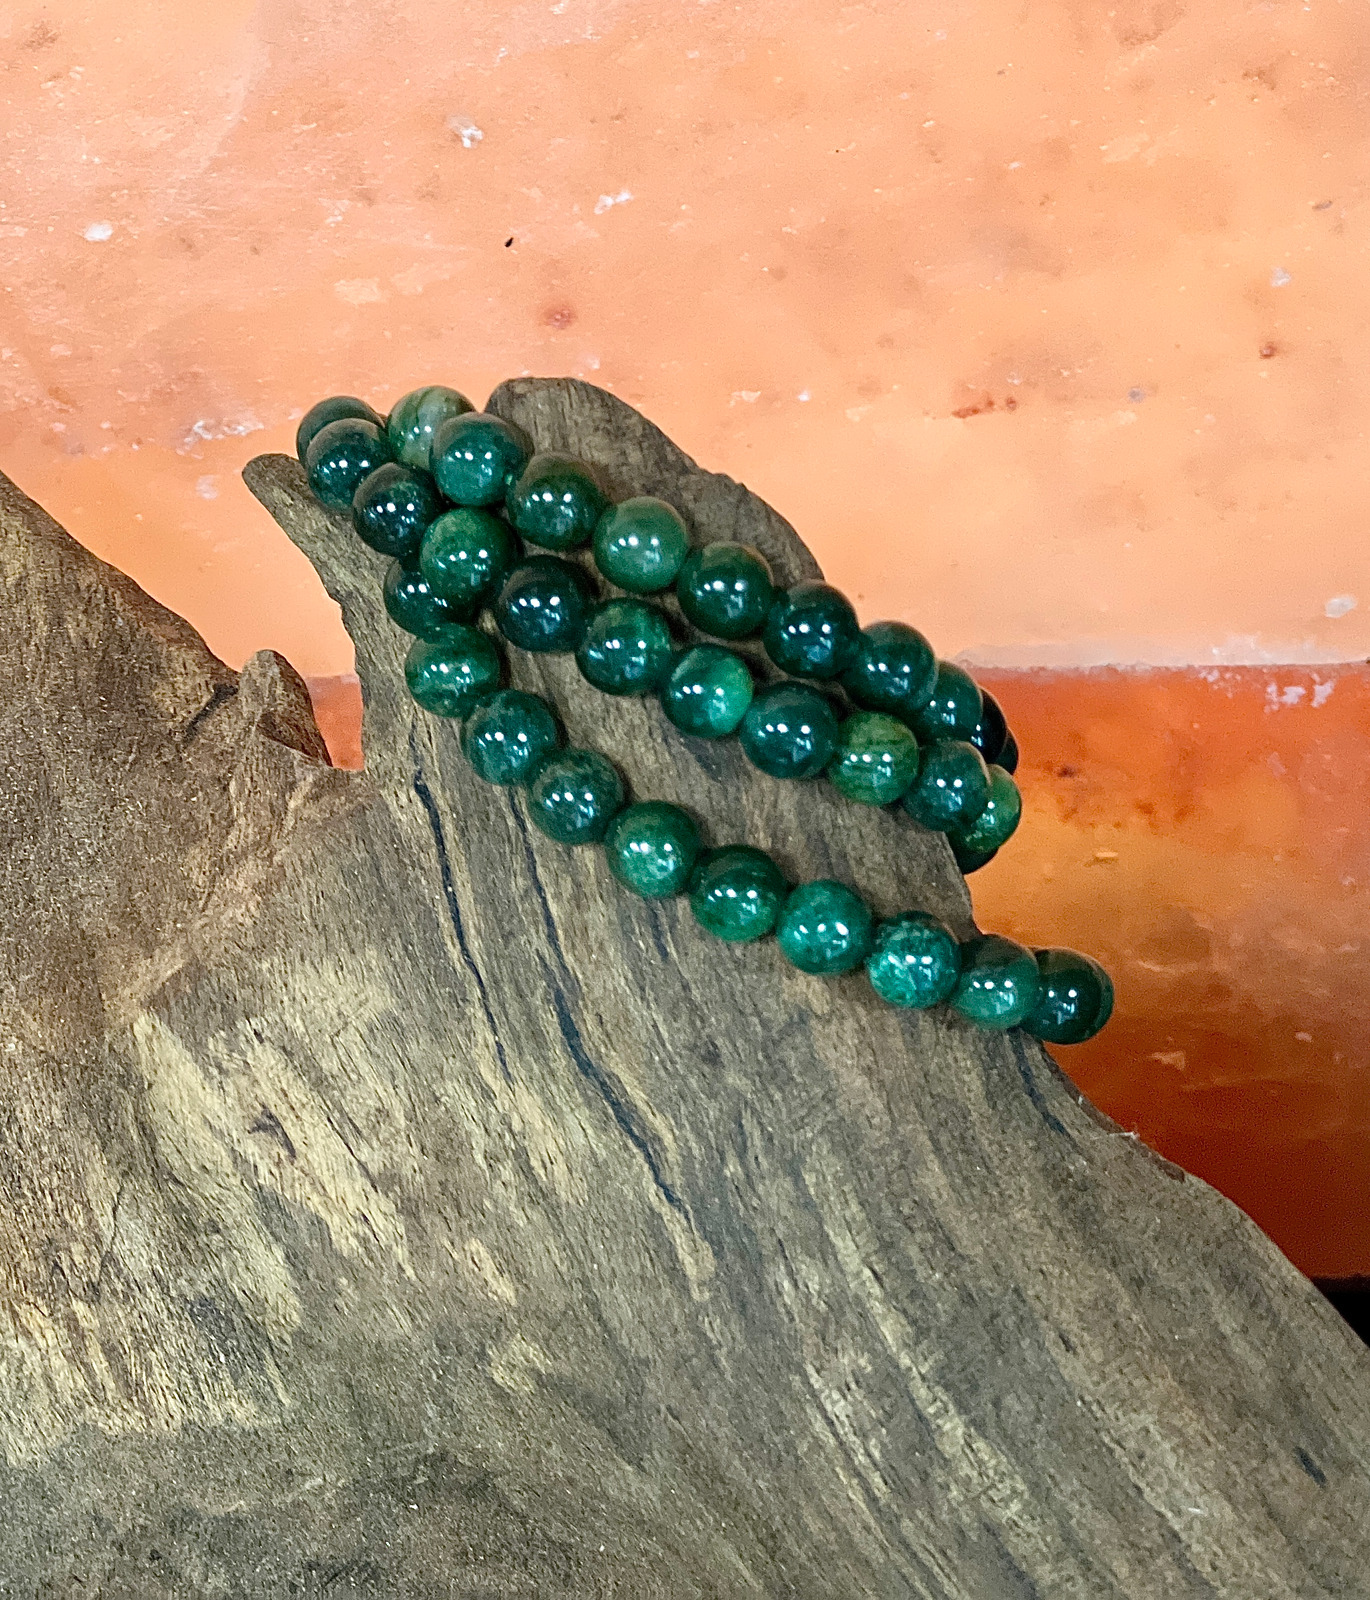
x: 466, y: 555
x: 876, y: 759
x: 969, y: 860
x: 556, y: 502
x: 574, y: 796
x: 894, y: 670
x: 1008, y: 756
x: 991, y: 732
x: 412, y: 605
x: 824, y: 928
x: 726, y: 590
x: 477, y: 458
x: 641, y: 544
x: 450, y: 676
x: 652, y: 847
x: 736, y: 893
x: 508, y: 736
x: 789, y: 731
x: 392, y: 509
x: 626, y: 648
x: 995, y: 825
x: 914, y: 960
x: 708, y: 691
x: 335, y: 409
x: 812, y: 631
x: 1076, y: 999
x: 999, y: 983
x: 952, y: 786
x: 417, y: 416
x: 952, y: 710
x: 544, y: 605
x: 340, y: 455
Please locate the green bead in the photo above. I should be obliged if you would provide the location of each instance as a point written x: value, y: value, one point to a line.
x: 556, y: 502
x: 417, y: 416
x: 708, y: 691
x: 726, y: 590
x: 825, y: 928
x: 392, y: 507
x: 652, y: 847
x: 450, y: 676
x: 413, y: 606
x: 999, y: 983
x: 894, y: 670
x: 574, y: 796
x: 334, y: 409
x: 466, y: 555
x: 990, y: 734
x: 876, y: 759
x: 952, y: 787
x: 641, y: 544
x: 340, y: 455
x: 507, y: 736
x: 969, y: 860
x: 952, y: 710
x: 736, y: 893
x: 789, y: 731
x: 627, y: 648
x: 477, y: 458
x: 914, y: 960
x: 812, y: 631
x: 996, y: 823
x: 1076, y: 998
x: 1008, y: 756
x: 544, y: 605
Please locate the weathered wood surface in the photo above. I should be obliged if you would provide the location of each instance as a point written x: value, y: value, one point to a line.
x: 391, y: 1205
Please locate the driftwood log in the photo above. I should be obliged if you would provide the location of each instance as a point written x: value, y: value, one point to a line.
x: 392, y: 1205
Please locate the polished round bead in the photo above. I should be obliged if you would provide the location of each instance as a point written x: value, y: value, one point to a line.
x: 990, y: 733
x: 1008, y: 756
x: 392, y: 508
x: 969, y: 860
x: 894, y: 670
x: 508, y: 736
x: 1076, y: 998
x: 340, y: 455
x: 641, y: 544
x: 996, y: 823
x: 413, y: 606
x: 914, y: 960
x: 335, y: 409
x: 627, y: 648
x: 726, y: 590
x: 477, y: 458
x: 544, y: 605
x: 876, y: 759
x: 999, y: 983
x: 789, y: 731
x: 556, y: 502
x: 952, y: 787
x: 466, y: 555
x: 708, y: 691
x: 736, y: 893
x: 824, y: 928
x: 450, y: 676
x: 574, y: 796
x: 417, y: 416
x: 812, y: 631
x: 652, y: 847
x: 952, y: 711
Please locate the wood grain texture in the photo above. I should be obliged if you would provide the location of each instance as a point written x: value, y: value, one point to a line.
x: 392, y: 1205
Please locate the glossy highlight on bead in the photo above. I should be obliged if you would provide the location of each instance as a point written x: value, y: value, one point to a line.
x: 726, y: 590
x: 708, y: 691
x: 477, y: 458
x: 952, y: 788
x: 450, y: 676
x: 894, y: 670
x: 641, y: 544
x: 392, y: 508
x: 999, y: 982
x: 789, y: 731
x: 335, y: 409
x: 999, y: 819
x: 574, y: 795
x: 952, y: 711
x: 1076, y: 998
x: 626, y: 648
x: 416, y: 417
x: 411, y: 604
x: 652, y: 847
x: 507, y: 737
x: 544, y: 606
x: 466, y: 555
x: 914, y: 962
x: 812, y: 631
x: 736, y: 893
x: 824, y: 928
x: 876, y: 759
x: 556, y: 502
x: 340, y: 455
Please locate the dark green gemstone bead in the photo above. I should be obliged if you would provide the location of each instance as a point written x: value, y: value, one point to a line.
x: 914, y: 960
x: 969, y: 860
x: 652, y: 847
x: 574, y: 796
x: 627, y: 648
x: 466, y: 555
x: 812, y: 631
x: 544, y: 605
x: 417, y: 416
x: 413, y: 606
x: 334, y: 409
x: 477, y: 458
x: 641, y: 544
x: 996, y: 823
x: 1008, y: 756
x: 1076, y: 998
x: 392, y: 507
x: 726, y: 590
x: 952, y: 711
x: 736, y: 893
x: 876, y: 759
x: 340, y: 455
x: 952, y: 787
x: 991, y: 732
x: 789, y: 731
x: 509, y: 735
x: 825, y: 928
x: 895, y: 670
x: 999, y: 983
x: 708, y: 691
x: 450, y: 676
x: 556, y: 502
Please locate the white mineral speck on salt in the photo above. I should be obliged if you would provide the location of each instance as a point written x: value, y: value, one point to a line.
x: 466, y: 130
x: 803, y: 395
x: 607, y: 200
x: 1278, y: 278
x: 1322, y: 693
x: 1339, y: 605
x: 98, y: 232
x: 207, y: 487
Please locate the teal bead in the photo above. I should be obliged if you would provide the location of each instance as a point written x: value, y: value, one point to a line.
x: 736, y: 893
x: 641, y: 544
x: 544, y: 605
x: 1075, y: 1001
x: 335, y: 409
x: 914, y: 961
x: 952, y: 710
x: 450, y: 676
x: 417, y: 416
x: 508, y: 736
x: 999, y: 983
x: 652, y: 847
x: 556, y: 502
x: 876, y: 759
x: 1008, y: 756
x: 990, y: 734
x: 726, y: 590
x: 477, y: 458
x: 627, y: 648
x: 995, y: 825
x: 412, y: 605
x: 812, y: 631
x: 574, y: 796
x: 894, y: 670
x: 825, y: 928
x: 708, y: 691
x: 466, y: 555
x: 969, y: 860
x: 952, y: 787
x: 789, y: 731
x: 392, y: 508
x: 340, y: 455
